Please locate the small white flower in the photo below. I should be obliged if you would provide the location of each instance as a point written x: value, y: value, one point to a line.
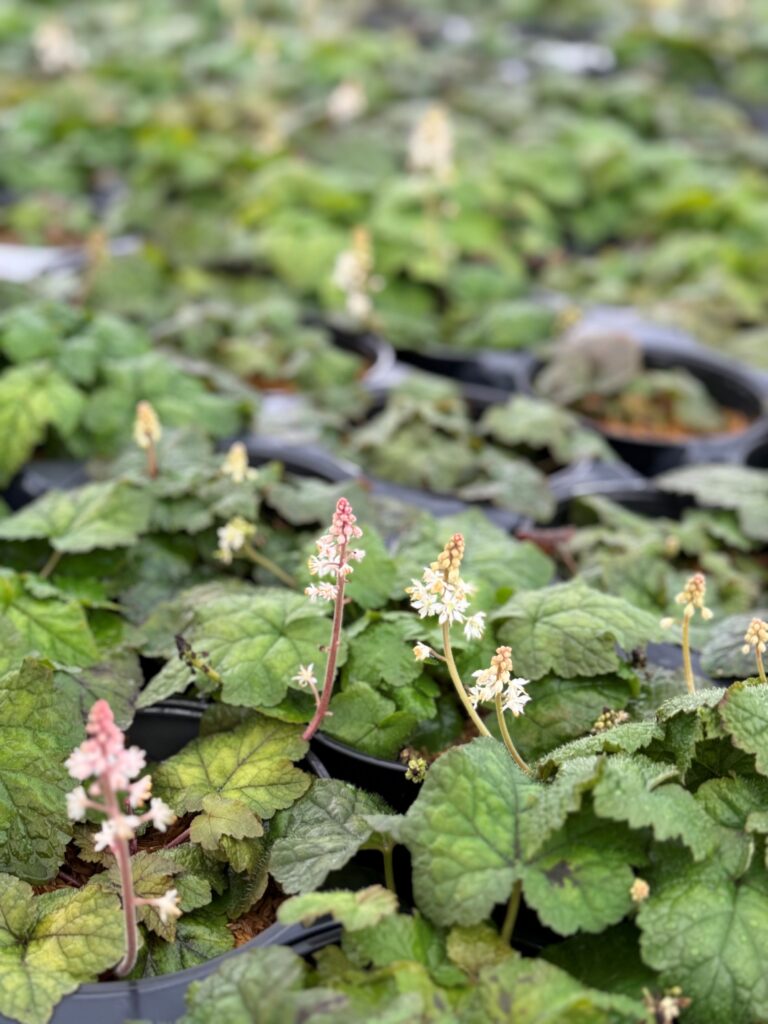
x: 140, y: 791
x: 168, y: 905
x: 77, y: 804
x: 346, y: 103
x: 430, y: 147
x: 487, y: 687
x: 423, y: 600
x: 421, y: 651
x: 667, y: 622
x: 356, y: 554
x: 305, y: 676
x: 451, y: 607
x: 160, y: 814
x: 515, y: 697
x: 321, y: 592
x: 57, y: 49
x: 235, y: 464
x: 359, y: 305
x: 232, y: 537
x: 474, y: 627
x: 122, y: 826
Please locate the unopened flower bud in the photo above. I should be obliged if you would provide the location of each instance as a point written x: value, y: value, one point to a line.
x: 146, y: 426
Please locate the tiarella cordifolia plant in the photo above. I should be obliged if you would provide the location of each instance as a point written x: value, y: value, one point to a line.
x: 334, y: 558
x: 237, y: 537
x: 442, y: 593
x: 147, y: 432
x: 692, y: 598
x: 756, y: 639
x: 104, y: 758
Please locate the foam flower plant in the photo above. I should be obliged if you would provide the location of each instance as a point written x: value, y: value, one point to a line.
x: 442, y: 593
x: 334, y: 558
x: 117, y: 793
x: 692, y: 598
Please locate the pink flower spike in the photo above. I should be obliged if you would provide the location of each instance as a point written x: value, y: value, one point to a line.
x: 343, y: 522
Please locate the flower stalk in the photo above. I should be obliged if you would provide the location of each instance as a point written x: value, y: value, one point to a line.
x: 441, y: 592
x: 692, y: 598
x: 104, y: 758
x: 147, y: 432
x: 756, y: 639
x: 334, y: 557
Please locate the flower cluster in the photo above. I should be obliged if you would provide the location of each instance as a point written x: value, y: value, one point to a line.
x: 233, y: 537
x: 146, y: 426
x: 57, y: 49
x: 692, y: 597
x: 334, y: 554
x: 352, y: 274
x: 430, y: 147
x: 609, y: 719
x: 104, y: 757
x: 639, y: 890
x: 756, y: 637
x: 346, y: 103
x: 235, y: 464
x: 443, y: 593
x: 496, y: 680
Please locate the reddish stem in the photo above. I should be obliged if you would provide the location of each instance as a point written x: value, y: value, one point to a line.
x: 152, y: 467
x: 333, y: 651
x: 182, y: 837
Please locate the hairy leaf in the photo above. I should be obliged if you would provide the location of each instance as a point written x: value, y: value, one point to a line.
x: 354, y: 910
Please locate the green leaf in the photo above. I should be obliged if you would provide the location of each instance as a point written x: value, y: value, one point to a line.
x: 368, y: 721
x: 50, y: 946
x: 252, y: 765
x: 200, y: 936
x: 744, y: 712
x: 35, y: 740
x: 373, y: 579
x: 256, y: 642
x: 320, y: 833
x: 741, y: 488
x: 530, y: 991
x: 609, y: 961
x: 118, y: 681
x: 384, y: 651
x: 470, y: 826
x: 476, y: 947
x: 572, y: 630
x: 707, y: 934
x: 536, y: 424
x: 580, y: 880
x: 33, y: 398
x: 355, y: 910
x: 108, y: 515
x: 223, y: 817
x: 51, y: 626
x: 629, y: 737
x: 408, y: 937
x: 639, y: 791
x: 256, y: 986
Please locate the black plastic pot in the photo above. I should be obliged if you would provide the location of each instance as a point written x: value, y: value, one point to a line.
x: 162, y: 731
x: 496, y: 373
x: 730, y: 384
x: 41, y: 476
x: 301, y: 459
x: 377, y: 775
x: 380, y: 355
x: 160, y: 1000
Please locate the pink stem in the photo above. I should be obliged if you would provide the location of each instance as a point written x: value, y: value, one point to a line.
x: 123, y: 857
x: 330, y: 667
x: 182, y: 837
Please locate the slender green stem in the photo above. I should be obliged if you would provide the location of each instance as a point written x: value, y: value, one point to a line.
x: 690, y: 682
x: 760, y: 666
x: 507, y: 738
x: 389, y: 868
x: 266, y: 563
x: 152, y: 466
x: 50, y: 565
x: 511, y: 915
x: 459, y: 686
